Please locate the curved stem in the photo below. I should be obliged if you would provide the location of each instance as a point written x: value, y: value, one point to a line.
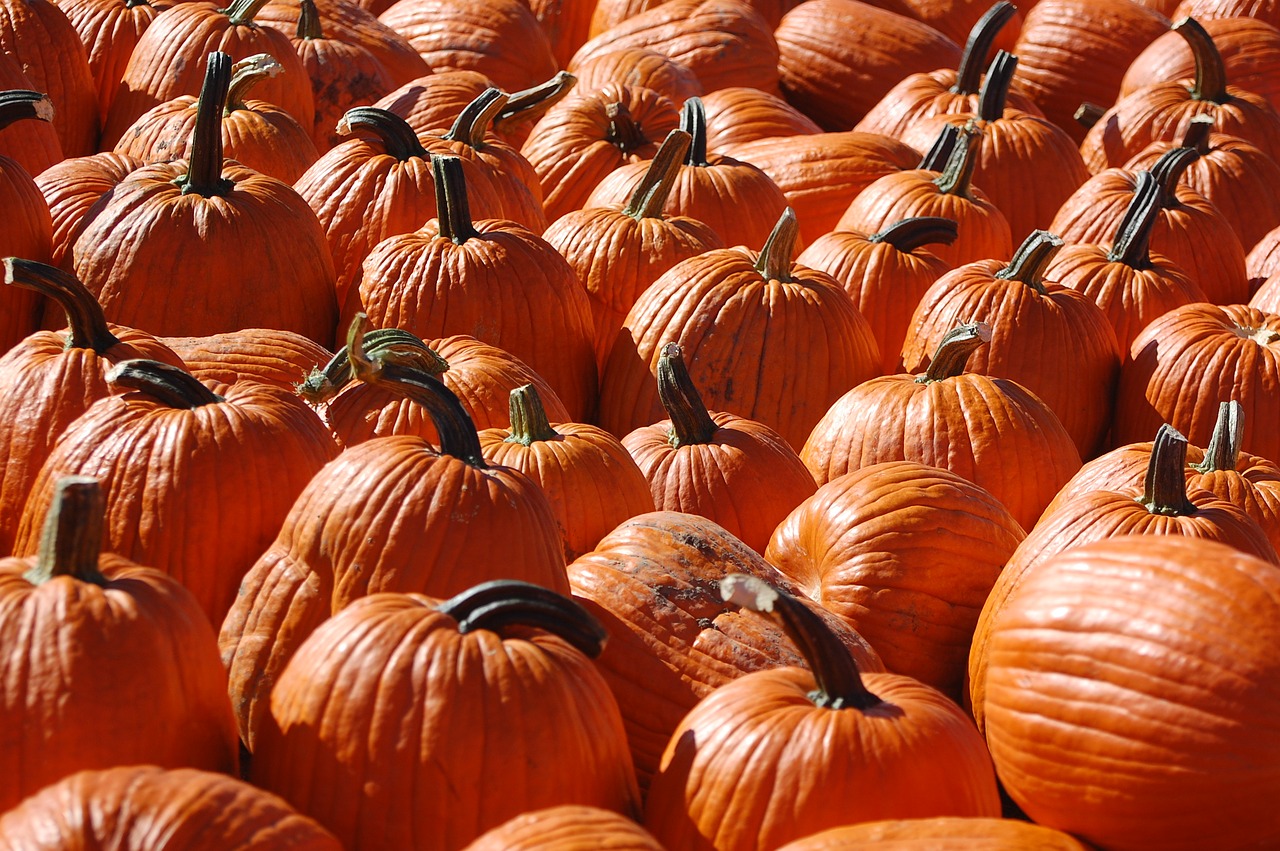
x: 242, y: 12
x: 309, y: 27
x: 535, y: 100
x: 1211, y: 71
x: 623, y: 133
x: 204, y: 166
x: 476, y: 118
x: 505, y: 602
x: 693, y: 120
x: 995, y: 89
x: 397, y: 137
x: 170, y: 385
x: 1197, y: 135
x: 246, y: 74
x: 1168, y: 171
x: 958, y: 174
x: 935, y: 159
x: 529, y: 423
x: 690, y: 421
x: 978, y: 47
x: 20, y: 104
x: 87, y: 324
x: 1133, y: 236
x: 918, y: 231
x: 452, y: 208
x: 1164, y: 490
x: 839, y: 682
x: 775, y: 260
x: 71, y: 540
x: 1031, y: 259
x: 1224, y: 444
x: 650, y: 197
x: 953, y: 351
x: 389, y: 344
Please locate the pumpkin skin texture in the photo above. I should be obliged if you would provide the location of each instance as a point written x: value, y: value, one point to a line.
x: 567, y: 828
x: 71, y: 187
x: 27, y: 228
x: 146, y: 808
x: 280, y: 358
x: 1180, y: 633
x: 35, y: 147
x: 739, y: 115
x: 638, y: 67
x: 939, y: 834
x: 382, y: 703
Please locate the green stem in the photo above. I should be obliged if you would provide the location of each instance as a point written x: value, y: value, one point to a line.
x: 87, y: 324
x: 1211, y: 71
x: 978, y: 47
x: 452, y: 208
x: 935, y: 159
x: 537, y: 99
x: 1164, y: 490
x: 837, y: 676
x: 529, y: 423
x: 309, y: 27
x: 242, y: 12
x: 71, y: 540
x: 494, y: 605
x: 204, y: 165
x: 690, y: 421
x: 953, y: 352
x: 1133, y: 237
x: 778, y: 254
x: 958, y: 173
x: 246, y: 74
x: 650, y: 197
x: 918, y: 231
x: 397, y: 137
x: 693, y: 120
x: 1031, y: 259
x: 474, y: 121
x: 623, y: 133
x: 389, y: 344
x: 170, y: 385
x: 20, y: 104
x: 1224, y: 444
x: 995, y: 89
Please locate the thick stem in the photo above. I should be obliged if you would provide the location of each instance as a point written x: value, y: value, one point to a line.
x: 995, y: 89
x: 1211, y: 71
x: 452, y: 208
x: 71, y: 540
x: 690, y: 421
x: 476, y: 117
x: 978, y: 47
x: 1168, y: 171
x: 246, y: 74
x: 171, y: 385
x: 390, y: 344
x: 1197, y: 135
x: 87, y: 325
x: 20, y: 104
x: 1164, y: 491
x: 1031, y: 259
x: 1088, y: 114
x: 501, y: 603
x: 935, y: 159
x: 204, y: 166
x: 1224, y: 444
x: 1133, y: 236
x: 958, y: 173
x: 242, y: 12
x: 650, y: 197
x: 309, y: 27
x: 397, y: 137
x: 953, y: 352
x: 458, y: 437
x: 839, y: 682
x: 693, y: 120
x: 529, y: 423
x: 623, y: 133
x: 536, y: 100
x: 775, y: 260
x: 918, y: 231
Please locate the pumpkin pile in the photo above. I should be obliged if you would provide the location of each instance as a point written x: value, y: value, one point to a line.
x: 641, y: 424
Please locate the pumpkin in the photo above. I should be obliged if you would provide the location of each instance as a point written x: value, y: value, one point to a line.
x: 569, y: 827
x: 109, y: 30
x: 71, y: 187
x: 1265, y: 10
x: 33, y: 146
x: 1263, y: 259
x: 743, y: 114
x: 281, y: 358
x: 27, y: 231
x: 640, y: 68
x: 945, y: 833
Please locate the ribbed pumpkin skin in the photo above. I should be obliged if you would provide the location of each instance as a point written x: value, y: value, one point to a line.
x: 939, y: 834
x: 381, y: 517
x: 82, y: 660
x: 281, y: 358
x: 641, y: 68
x: 396, y: 731
x: 567, y: 828
x: 741, y: 114
x: 70, y: 188
x: 1179, y: 633
x: 738, y: 331
x: 26, y: 232
x: 905, y: 554
x: 32, y: 144
x: 143, y: 808
x: 919, y: 98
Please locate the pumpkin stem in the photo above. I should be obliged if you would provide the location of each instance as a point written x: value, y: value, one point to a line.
x: 87, y: 324
x: 458, y: 437
x: 1031, y: 259
x: 650, y: 197
x: 1133, y: 237
x: 839, y: 682
x: 309, y: 27
x: 1164, y: 490
x: 1224, y: 444
x: 953, y: 351
x: 978, y: 47
x: 1211, y: 71
x: 246, y: 74
x: 623, y: 133
x: 171, y: 385
x: 535, y: 100
x: 72, y: 536
x: 476, y: 118
x: 452, y: 208
x: 397, y: 137
x: 935, y: 159
x: 242, y: 12
x: 693, y: 120
x: 529, y: 423
x: 690, y: 421
x: 995, y: 89
x: 1088, y: 114
x: 18, y: 104
x: 1197, y: 135
x: 1168, y: 171
x: 958, y: 173
x: 388, y: 344
x: 505, y: 602
x: 204, y: 166
x: 775, y: 260
x: 918, y: 231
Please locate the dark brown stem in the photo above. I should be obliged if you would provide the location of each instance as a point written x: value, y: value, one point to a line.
x: 775, y: 260
x: 309, y: 27
x: 1164, y: 491
x: 246, y: 74
x: 935, y: 159
x: 170, y: 385
x: 1031, y: 259
x: 529, y: 423
x: 693, y: 120
x: 476, y: 118
x: 1133, y: 236
x: 71, y: 540
x: 1211, y: 71
x: 390, y: 344
x: 204, y: 166
x: 1088, y: 114
x: 954, y: 350
x: 87, y: 325
x: 995, y: 89
x: 1168, y: 171
x: 397, y: 137
x: 650, y: 197
x: 1224, y: 444
x: 978, y: 47
x: 498, y: 604
x: 20, y: 104
x: 839, y: 682
x: 916, y: 232
x: 958, y: 174
x: 623, y: 133
x: 1197, y: 135
x: 535, y: 100
x: 242, y: 12
x: 690, y: 421
x: 452, y: 208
